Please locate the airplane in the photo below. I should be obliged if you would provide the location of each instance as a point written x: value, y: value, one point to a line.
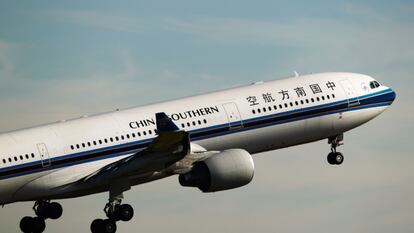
x: 206, y: 140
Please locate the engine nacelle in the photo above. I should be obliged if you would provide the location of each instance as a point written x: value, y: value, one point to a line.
x: 226, y: 170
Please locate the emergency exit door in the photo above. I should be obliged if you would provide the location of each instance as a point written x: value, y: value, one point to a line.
x: 233, y: 115
x: 44, y: 154
x: 353, y: 99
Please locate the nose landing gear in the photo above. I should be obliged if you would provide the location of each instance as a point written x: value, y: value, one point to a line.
x: 43, y: 210
x: 335, y: 157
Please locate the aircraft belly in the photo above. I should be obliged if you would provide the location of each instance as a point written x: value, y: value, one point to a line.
x: 9, y: 187
x: 49, y: 183
x: 259, y: 139
x: 351, y: 119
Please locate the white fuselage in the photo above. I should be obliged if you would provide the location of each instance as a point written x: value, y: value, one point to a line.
x: 258, y: 117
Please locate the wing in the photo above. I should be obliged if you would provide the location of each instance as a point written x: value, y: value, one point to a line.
x: 171, y: 145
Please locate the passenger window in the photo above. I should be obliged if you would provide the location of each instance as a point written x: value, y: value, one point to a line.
x: 72, y: 147
x: 205, y: 121
x: 89, y: 144
x: 182, y: 125
x: 27, y: 156
x: 33, y: 155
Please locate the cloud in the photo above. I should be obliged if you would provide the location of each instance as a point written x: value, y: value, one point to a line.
x: 104, y: 20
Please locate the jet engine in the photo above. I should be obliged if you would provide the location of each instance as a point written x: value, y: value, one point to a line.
x: 225, y: 170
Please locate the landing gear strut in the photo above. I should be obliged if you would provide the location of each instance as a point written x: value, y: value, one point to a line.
x: 43, y: 210
x: 115, y: 211
x: 335, y: 157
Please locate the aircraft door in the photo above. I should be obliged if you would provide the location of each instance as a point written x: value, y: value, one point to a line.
x: 233, y: 115
x: 44, y: 154
x: 353, y: 99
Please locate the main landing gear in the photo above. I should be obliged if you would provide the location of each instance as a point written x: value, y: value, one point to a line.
x: 115, y: 211
x: 334, y: 157
x: 43, y: 211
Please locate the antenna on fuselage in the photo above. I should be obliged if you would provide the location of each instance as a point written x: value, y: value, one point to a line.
x: 296, y: 73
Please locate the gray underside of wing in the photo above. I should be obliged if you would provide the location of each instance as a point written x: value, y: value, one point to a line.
x: 166, y: 149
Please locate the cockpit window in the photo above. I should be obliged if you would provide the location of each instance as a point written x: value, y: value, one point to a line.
x: 374, y: 84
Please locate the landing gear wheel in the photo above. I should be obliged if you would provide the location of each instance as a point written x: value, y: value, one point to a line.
x: 339, y: 158
x: 125, y: 212
x: 46, y: 209
x: 43, y: 209
x: 335, y: 158
x: 108, y: 226
x: 38, y: 225
x: 25, y: 224
x: 54, y: 210
x: 103, y: 226
x: 330, y: 158
x: 97, y: 225
x: 32, y: 225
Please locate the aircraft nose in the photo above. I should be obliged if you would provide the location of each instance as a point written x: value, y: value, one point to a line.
x: 392, y: 95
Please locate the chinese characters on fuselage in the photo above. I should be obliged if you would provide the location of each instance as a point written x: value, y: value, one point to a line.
x: 284, y: 94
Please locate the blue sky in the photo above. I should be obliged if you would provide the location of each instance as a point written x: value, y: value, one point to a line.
x: 63, y: 59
